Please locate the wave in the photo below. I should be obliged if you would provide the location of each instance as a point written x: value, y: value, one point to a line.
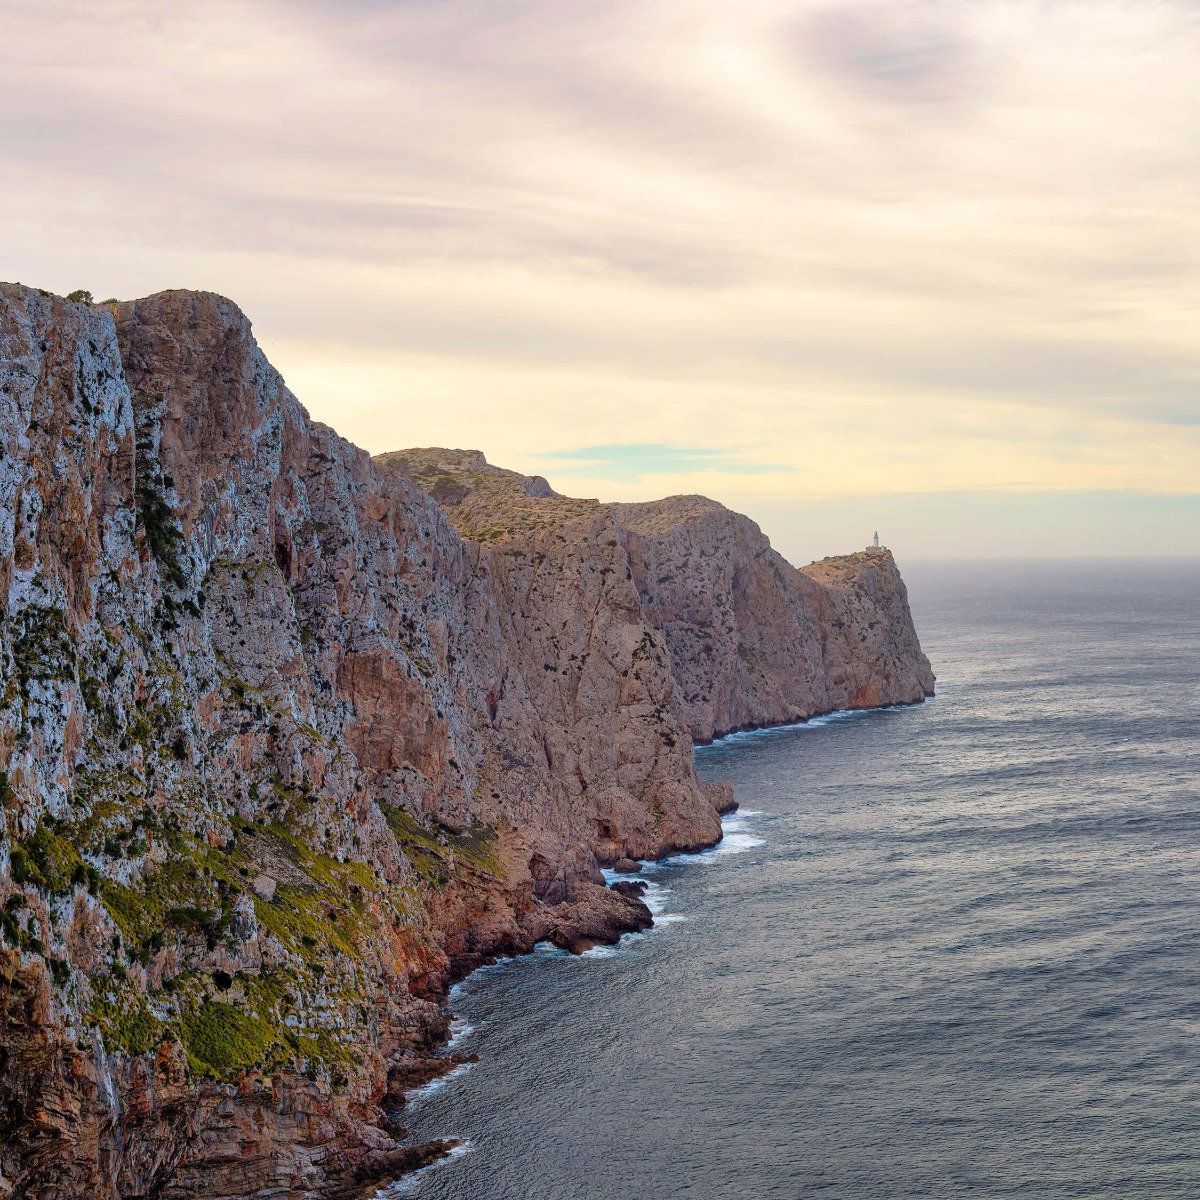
x: 460, y: 1030
x: 655, y: 897
x: 737, y: 839
x: 409, y: 1185
x: 816, y: 722
x: 435, y: 1085
x: 730, y: 844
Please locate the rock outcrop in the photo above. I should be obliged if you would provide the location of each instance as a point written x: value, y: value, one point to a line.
x: 284, y: 749
x: 753, y: 641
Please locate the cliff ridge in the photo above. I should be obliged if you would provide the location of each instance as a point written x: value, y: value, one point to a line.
x: 291, y: 738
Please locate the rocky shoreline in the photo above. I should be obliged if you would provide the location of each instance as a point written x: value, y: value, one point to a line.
x: 441, y: 1064
x: 291, y: 739
x: 767, y: 726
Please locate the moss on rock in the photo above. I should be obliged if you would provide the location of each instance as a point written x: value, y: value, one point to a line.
x: 48, y: 861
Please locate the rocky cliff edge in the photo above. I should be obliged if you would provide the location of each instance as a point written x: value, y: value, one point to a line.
x: 286, y: 747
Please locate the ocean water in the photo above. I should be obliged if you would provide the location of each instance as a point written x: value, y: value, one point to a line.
x: 948, y: 950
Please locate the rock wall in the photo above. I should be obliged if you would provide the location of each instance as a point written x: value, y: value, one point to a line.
x: 753, y: 641
x: 282, y: 752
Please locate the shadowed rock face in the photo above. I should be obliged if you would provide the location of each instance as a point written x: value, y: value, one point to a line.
x: 282, y: 751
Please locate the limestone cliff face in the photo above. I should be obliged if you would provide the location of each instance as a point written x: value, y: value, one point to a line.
x: 282, y: 751
x: 753, y: 641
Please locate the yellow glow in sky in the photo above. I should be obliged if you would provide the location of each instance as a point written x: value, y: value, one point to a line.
x: 808, y: 258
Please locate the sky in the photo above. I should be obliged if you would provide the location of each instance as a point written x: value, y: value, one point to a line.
x: 931, y: 268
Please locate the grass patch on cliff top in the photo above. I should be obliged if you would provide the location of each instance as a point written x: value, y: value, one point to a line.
x: 483, y: 502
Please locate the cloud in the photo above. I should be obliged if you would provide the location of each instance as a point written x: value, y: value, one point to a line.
x: 875, y: 246
x: 895, y: 52
x: 634, y: 461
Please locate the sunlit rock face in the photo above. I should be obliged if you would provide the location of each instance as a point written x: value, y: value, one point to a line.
x: 284, y: 749
x: 753, y: 641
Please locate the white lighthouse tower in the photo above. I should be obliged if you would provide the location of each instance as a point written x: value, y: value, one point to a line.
x: 877, y: 539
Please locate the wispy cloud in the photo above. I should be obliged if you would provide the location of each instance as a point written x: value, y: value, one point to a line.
x: 897, y: 51
x: 635, y: 461
x: 884, y: 245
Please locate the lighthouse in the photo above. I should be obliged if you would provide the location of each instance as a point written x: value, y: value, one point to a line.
x: 876, y: 543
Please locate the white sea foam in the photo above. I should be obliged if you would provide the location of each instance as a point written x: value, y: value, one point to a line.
x: 655, y: 897
x: 841, y: 714
x: 600, y: 952
x: 486, y: 968
x: 435, y: 1085
x: 737, y: 839
x: 460, y: 1030
x: 730, y: 844
x: 409, y: 1185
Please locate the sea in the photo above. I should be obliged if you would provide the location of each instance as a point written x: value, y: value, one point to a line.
x: 948, y: 950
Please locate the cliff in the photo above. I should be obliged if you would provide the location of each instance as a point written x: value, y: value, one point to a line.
x: 753, y: 641
x: 284, y: 750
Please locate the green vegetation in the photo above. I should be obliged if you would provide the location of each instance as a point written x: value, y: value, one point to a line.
x: 163, y: 535
x: 43, y: 651
x: 127, y: 1026
x: 111, y: 820
x: 438, y: 854
x: 221, y: 1037
x: 748, y: 656
x: 81, y: 296
x: 11, y: 928
x: 193, y: 892
x: 220, y: 1040
x: 321, y: 907
x: 428, y: 856
x: 303, y: 919
x: 48, y: 861
x: 321, y: 910
x: 475, y: 847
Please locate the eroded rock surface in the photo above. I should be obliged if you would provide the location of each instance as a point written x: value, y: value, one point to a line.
x: 753, y: 640
x: 283, y: 749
